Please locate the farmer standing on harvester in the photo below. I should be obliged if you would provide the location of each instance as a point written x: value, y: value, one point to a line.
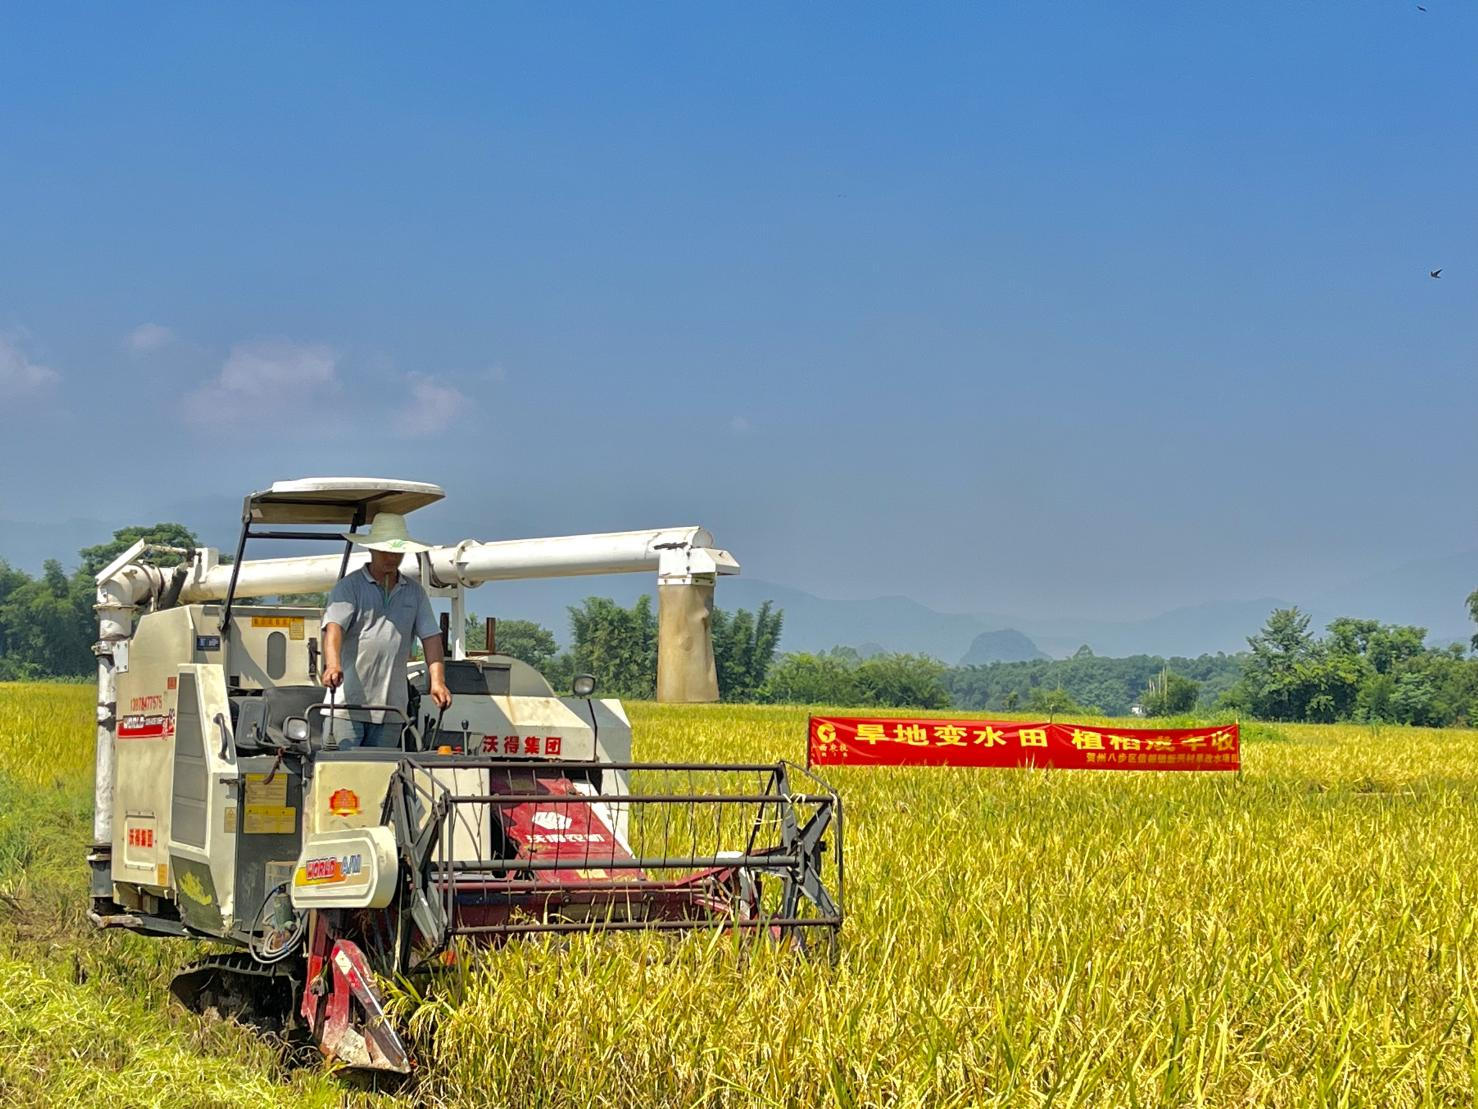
x: 368, y: 624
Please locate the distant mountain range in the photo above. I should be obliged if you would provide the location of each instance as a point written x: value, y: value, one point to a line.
x: 1429, y: 592
x: 815, y: 623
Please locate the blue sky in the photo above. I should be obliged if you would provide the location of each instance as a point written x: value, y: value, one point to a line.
x: 1066, y: 308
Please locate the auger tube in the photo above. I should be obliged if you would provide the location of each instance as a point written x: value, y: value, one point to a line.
x: 685, y: 560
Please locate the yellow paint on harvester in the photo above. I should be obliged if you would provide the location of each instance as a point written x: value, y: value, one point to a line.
x: 293, y: 624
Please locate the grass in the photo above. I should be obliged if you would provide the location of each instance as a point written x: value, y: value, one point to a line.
x: 1298, y: 934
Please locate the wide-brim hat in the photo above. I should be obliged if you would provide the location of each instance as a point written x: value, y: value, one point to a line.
x: 388, y: 533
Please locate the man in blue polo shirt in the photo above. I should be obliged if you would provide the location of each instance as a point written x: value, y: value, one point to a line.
x: 368, y: 625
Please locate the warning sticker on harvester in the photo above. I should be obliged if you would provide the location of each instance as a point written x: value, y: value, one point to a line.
x: 270, y: 820
x: 260, y: 791
x: 265, y: 811
x: 293, y: 624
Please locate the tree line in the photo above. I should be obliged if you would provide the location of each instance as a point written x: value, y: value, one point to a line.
x: 47, y: 623
x: 1088, y: 682
x: 1360, y: 670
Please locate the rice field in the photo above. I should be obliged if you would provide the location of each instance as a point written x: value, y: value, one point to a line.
x: 1301, y: 933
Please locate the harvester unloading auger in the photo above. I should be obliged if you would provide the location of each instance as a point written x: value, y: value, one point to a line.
x: 226, y: 811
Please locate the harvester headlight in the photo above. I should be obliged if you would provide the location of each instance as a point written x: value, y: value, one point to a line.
x: 584, y: 685
x: 296, y: 729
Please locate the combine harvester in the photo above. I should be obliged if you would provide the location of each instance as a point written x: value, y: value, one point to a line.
x: 225, y: 810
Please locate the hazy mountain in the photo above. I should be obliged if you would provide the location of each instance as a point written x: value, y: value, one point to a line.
x: 1006, y: 645
x: 1189, y: 631
x: 811, y: 623
x: 1430, y: 592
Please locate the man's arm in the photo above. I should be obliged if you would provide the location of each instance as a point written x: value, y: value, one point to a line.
x: 336, y: 617
x: 333, y: 644
x: 431, y: 644
x: 428, y: 631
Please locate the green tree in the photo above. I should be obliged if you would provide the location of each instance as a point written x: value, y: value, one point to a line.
x: 807, y: 679
x: 841, y: 677
x: 45, y: 624
x: 530, y: 642
x: 11, y: 580
x: 1391, y: 645
x: 744, y: 646
x: 617, y: 645
x: 525, y: 640
x: 1414, y: 700
x: 1170, y: 694
x: 163, y: 534
x: 1278, y: 681
x: 1054, y: 702
x: 1110, y: 684
x: 902, y: 681
x: 307, y: 600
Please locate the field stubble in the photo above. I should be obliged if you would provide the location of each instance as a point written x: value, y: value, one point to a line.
x: 1298, y: 934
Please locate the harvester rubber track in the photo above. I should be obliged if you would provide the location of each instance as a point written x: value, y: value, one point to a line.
x: 235, y: 985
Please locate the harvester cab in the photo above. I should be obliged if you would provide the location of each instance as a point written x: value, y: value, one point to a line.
x: 227, y: 809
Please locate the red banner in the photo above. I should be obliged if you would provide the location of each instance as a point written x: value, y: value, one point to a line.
x: 895, y: 741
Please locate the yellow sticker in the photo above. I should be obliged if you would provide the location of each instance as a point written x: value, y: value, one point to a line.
x: 293, y: 624
x: 259, y: 791
x: 270, y: 820
x: 161, y: 874
x: 230, y: 820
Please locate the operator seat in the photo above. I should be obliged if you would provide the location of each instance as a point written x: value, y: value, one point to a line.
x: 261, y: 716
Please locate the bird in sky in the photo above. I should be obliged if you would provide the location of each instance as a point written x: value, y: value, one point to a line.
x: 1436, y: 273
x: 1420, y: 8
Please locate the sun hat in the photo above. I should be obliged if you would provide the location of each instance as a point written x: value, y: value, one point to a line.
x: 387, y: 533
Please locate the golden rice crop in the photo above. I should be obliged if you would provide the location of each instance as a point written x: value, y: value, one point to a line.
x: 1299, y: 934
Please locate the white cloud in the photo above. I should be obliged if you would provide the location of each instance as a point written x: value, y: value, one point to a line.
x: 276, y: 381
x: 433, y: 407
x: 148, y: 337
x: 739, y: 425
x: 19, y: 375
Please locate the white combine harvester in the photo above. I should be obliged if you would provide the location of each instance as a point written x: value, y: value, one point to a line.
x: 225, y: 810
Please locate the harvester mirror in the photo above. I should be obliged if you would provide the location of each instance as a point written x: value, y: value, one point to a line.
x: 296, y: 729
x: 584, y: 685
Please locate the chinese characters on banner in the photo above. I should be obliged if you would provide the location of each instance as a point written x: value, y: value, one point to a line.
x: 859, y: 741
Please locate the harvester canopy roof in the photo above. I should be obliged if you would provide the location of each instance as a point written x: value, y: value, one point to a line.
x: 337, y: 500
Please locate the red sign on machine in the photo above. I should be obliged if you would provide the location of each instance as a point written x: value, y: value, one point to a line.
x: 156, y: 725
x: 548, y: 746
x: 894, y: 741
